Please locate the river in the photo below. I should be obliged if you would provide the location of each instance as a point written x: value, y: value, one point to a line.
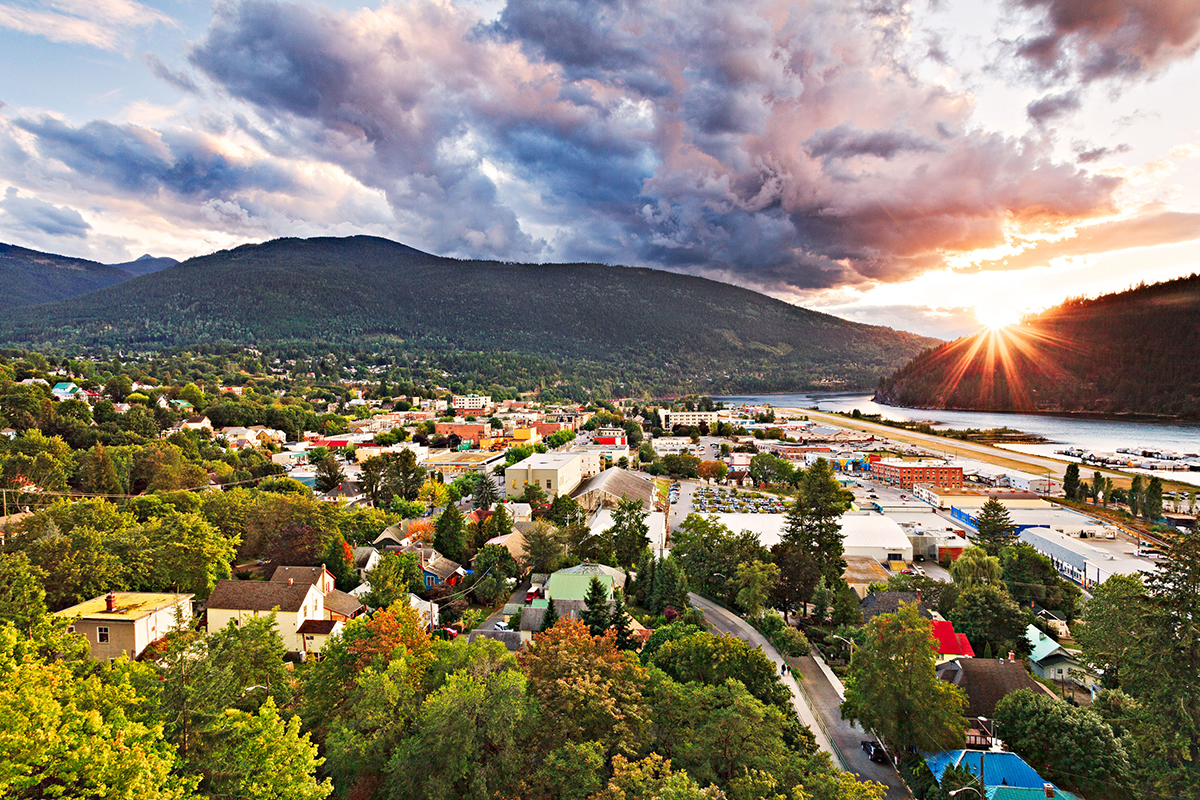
x: 1060, y: 431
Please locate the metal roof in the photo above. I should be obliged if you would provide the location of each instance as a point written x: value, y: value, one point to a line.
x: 997, y: 768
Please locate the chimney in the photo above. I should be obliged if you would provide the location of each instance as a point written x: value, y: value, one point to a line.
x: 291, y: 581
x: 1048, y: 789
x: 110, y: 602
x: 1012, y: 656
x: 918, y: 597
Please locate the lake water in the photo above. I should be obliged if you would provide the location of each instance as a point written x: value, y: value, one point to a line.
x: 1103, y: 435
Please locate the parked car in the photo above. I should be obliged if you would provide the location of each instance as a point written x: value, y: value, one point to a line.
x: 502, y: 626
x: 875, y: 752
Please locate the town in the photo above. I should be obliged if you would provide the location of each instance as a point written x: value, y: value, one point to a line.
x: 299, y: 586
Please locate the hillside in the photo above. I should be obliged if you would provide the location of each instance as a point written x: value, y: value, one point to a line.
x: 1130, y: 352
x: 30, y: 277
x: 631, y: 328
x: 144, y: 265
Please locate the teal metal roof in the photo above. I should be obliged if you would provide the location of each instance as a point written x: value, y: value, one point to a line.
x: 1014, y: 793
x: 1042, y: 644
x: 1000, y: 769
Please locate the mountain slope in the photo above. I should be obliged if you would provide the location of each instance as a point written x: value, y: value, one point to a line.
x: 144, y: 265
x: 30, y: 277
x: 1132, y: 352
x: 646, y: 326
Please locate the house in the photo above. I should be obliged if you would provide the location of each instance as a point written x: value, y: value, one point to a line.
x: 68, y: 391
x: 994, y: 768
x: 125, y: 623
x: 338, y: 605
x: 572, y: 583
x: 435, y: 567
x: 349, y: 492
x: 608, y: 488
x: 950, y: 644
x: 1052, y: 662
x: 513, y: 542
x: 1054, y: 621
x: 427, y: 610
x: 510, y: 639
x: 1024, y: 793
x: 196, y: 423
x: 365, y: 560
x: 314, y: 633
x: 877, y: 603
x: 739, y: 477
x: 986, y: 681
x: 294, y: 603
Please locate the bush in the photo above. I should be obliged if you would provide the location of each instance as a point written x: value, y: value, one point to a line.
x: 783, y: 637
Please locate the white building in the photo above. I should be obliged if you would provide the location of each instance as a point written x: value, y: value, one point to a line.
x: 556, y: 473
x: 673, y: 445
x: 472, y: 402
x: 688, y: 418
x: 876, y: 536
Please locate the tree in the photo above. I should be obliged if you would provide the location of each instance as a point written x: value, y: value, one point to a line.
x: 713, y: 660
x: 754, y: 582
x: 798, y: 576
x: 670, y: 588
x: 1108, y: 619
x: 975, y: 567
x: 449, y: 536
x: 1136, y: 495
x: 629, y: 532
x: 97, y: 472
x: 596, y: 614
x: 1152, y: 503
x: 712, y: 470
x: 329, y: 474
x: 394, y: 576
x: 543, y: 548
x: 988, y: 616
x: 564, y: 510
x: 405, y: 476
x: 1071, y: 746
x: 483, y: 493
x: 993, y: 526
x: 374, y: 480
x: 620, y: 622
x: 1071, y: 480
x: 22, y: 598
x: 893, y: 688
x: 1030, y: 577
x: 550, y: 618
x: 813, y: 528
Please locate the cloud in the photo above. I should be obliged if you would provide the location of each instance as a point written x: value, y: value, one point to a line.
x: 778, y: 144
x: 106, y: 24
x: 1052, y: 107
x: 1095, y: 39
x: 180, y: 80
x: 1088, y: 154
x: 1146, y: 230
x: 31, y: 214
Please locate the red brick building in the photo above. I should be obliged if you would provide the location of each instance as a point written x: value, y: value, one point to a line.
x: 906, y: 474
x: 463, y: 430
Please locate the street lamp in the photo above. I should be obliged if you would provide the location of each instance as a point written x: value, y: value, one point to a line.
x: 964, y: 789
x: 850, y: 642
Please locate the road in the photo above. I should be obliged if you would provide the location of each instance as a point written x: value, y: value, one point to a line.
x: 845, y: 749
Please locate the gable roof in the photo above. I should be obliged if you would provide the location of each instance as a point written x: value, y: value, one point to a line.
x: 617, y: 483
x: 877, y: 603
x: 1022, y: 793
x: 531, y: 618
x: 987, y: 681
x: 341, y: 603
x: 258, y: 595
x: 511, y: 639
x: 442, y: 568
x: 363, y: 555
x: 1043, y: 645
x: 951, y: 643
x: 305, y: 575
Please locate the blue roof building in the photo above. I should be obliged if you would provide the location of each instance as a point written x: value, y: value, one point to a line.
x: 996, y: 768
x: 1012, y: 793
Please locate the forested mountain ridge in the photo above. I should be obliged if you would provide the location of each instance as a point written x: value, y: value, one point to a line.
x: 645, y: 328
x: 1136, y: 351
x: 30, y: 277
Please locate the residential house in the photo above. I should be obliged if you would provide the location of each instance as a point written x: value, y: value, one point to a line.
x: 994, y: 768
x: 572, y: 583
x: 510, y: 639
x: 196, y: 423
x: 365, y: 560
x: 68, y: 391
x: 294, y: 603
x: 314, y: 633
x: 877, y: 603
x: 436, y: 569
x: 986, y: 681
x: 338, y: 604
x: 427, y: 610
x: 1054, y: 621
x: 125, y: 623
x: 1052, y: 662
x: 349, y: 492
x: 951, y: 644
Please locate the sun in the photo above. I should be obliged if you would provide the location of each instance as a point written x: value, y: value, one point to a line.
x: 996, y: 316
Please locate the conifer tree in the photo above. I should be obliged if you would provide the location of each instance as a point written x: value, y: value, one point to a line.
x: 550, y: 617
x: 596, y: 615
x: 993, y: 526
x: 620, y: 622
x: 449, y: 534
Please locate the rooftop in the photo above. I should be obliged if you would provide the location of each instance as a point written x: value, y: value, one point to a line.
x: 258, y: 595
x: 987, y: 681
x: 127, y: 605
x: 864, y: 569
x: 998, y: 768
x: 473, y: 457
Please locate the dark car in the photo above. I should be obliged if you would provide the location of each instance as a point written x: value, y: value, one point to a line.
x: 875, y: 752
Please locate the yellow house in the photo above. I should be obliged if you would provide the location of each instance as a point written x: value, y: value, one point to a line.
x: 293, y: 602
x: 127, y: 622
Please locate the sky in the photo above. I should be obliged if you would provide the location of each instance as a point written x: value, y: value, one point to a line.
x: 933, y: 166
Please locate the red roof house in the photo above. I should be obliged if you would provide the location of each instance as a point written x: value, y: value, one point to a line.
x: 950, y: 643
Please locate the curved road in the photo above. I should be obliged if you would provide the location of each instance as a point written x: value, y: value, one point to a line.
x: 847, y: 755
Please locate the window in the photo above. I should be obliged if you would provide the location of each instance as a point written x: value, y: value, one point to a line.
x: 70, y: 629
x: 101, y: 635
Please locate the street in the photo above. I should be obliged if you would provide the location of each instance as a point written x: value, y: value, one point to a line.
x: 845, y: 747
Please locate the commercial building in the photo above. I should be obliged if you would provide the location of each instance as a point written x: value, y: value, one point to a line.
x: 907, y: 474
x: 673, y: 445
x: 687, y: 419
x: 874, y: 535
x: 556, y: 473
x: 611, y: 436
x: 125, y: 623
x: 472, y: 402
x: 452, y: 464
x: 1078, y: 561
x: 473, y: 431
x: 1055, y: 517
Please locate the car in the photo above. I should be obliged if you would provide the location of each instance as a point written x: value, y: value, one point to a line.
x: 875, y: 752
x: 920, y: 570
x: 907, y: 572
x: 502, y: 626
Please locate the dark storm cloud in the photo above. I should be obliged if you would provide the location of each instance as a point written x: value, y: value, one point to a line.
x: 31, y: 214
x: 777, y: 144
x: 1094, y: 39
x: 138, y: 160
x: 1051, y: 107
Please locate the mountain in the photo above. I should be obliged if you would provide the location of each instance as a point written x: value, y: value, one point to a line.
x: 144, y: 265
x: 636, y: 328
x: 1136, y: 352
x: 30, y: 277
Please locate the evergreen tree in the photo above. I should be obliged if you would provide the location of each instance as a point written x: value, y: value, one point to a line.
x: 449, y: 534
x: 484, y: 493
x: 821, y: 600
x: 629, y: 533
x: 1097, y: 486
x: 1152, y: 504
x: 643, y: 587
x: 620, y: 622
x: 993, y: 526
x: 814, y: 530
x: 1071, y: 481
x: 846, y: 610
x: 98, y: 474
x: 670, y: 587
x: 1135, y: 495
x: 329, y: 474
x: 550, y: 617
x: 596, y: 615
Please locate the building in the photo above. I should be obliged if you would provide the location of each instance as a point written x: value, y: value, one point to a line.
x: 293, y: 603
x: 573, y: 583
x: 609, y: 487
x: 687, y: 419
x: 1048, y: 515
x: 673, y: 445
x: 877, y: 603
x: 452, y: 464
x: 125, y: 623
x: 611, y: 436
x: 996, y: 769
x: 472, y: 402
x: 987, y: 681
x: 1078, y: 561
x: 907, y: 474
x: 68, y: 391
x: 470, y: 431
x: 862, y: 571
x: 1052, y: 662
x: 951, y: 645
x: 874, y: 535
x: 556, y: 473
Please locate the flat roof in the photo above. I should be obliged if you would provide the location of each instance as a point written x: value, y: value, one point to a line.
x: 127, y: 605
x: 864, y: 569
x: 465, y: 457
x: 546, y: 461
